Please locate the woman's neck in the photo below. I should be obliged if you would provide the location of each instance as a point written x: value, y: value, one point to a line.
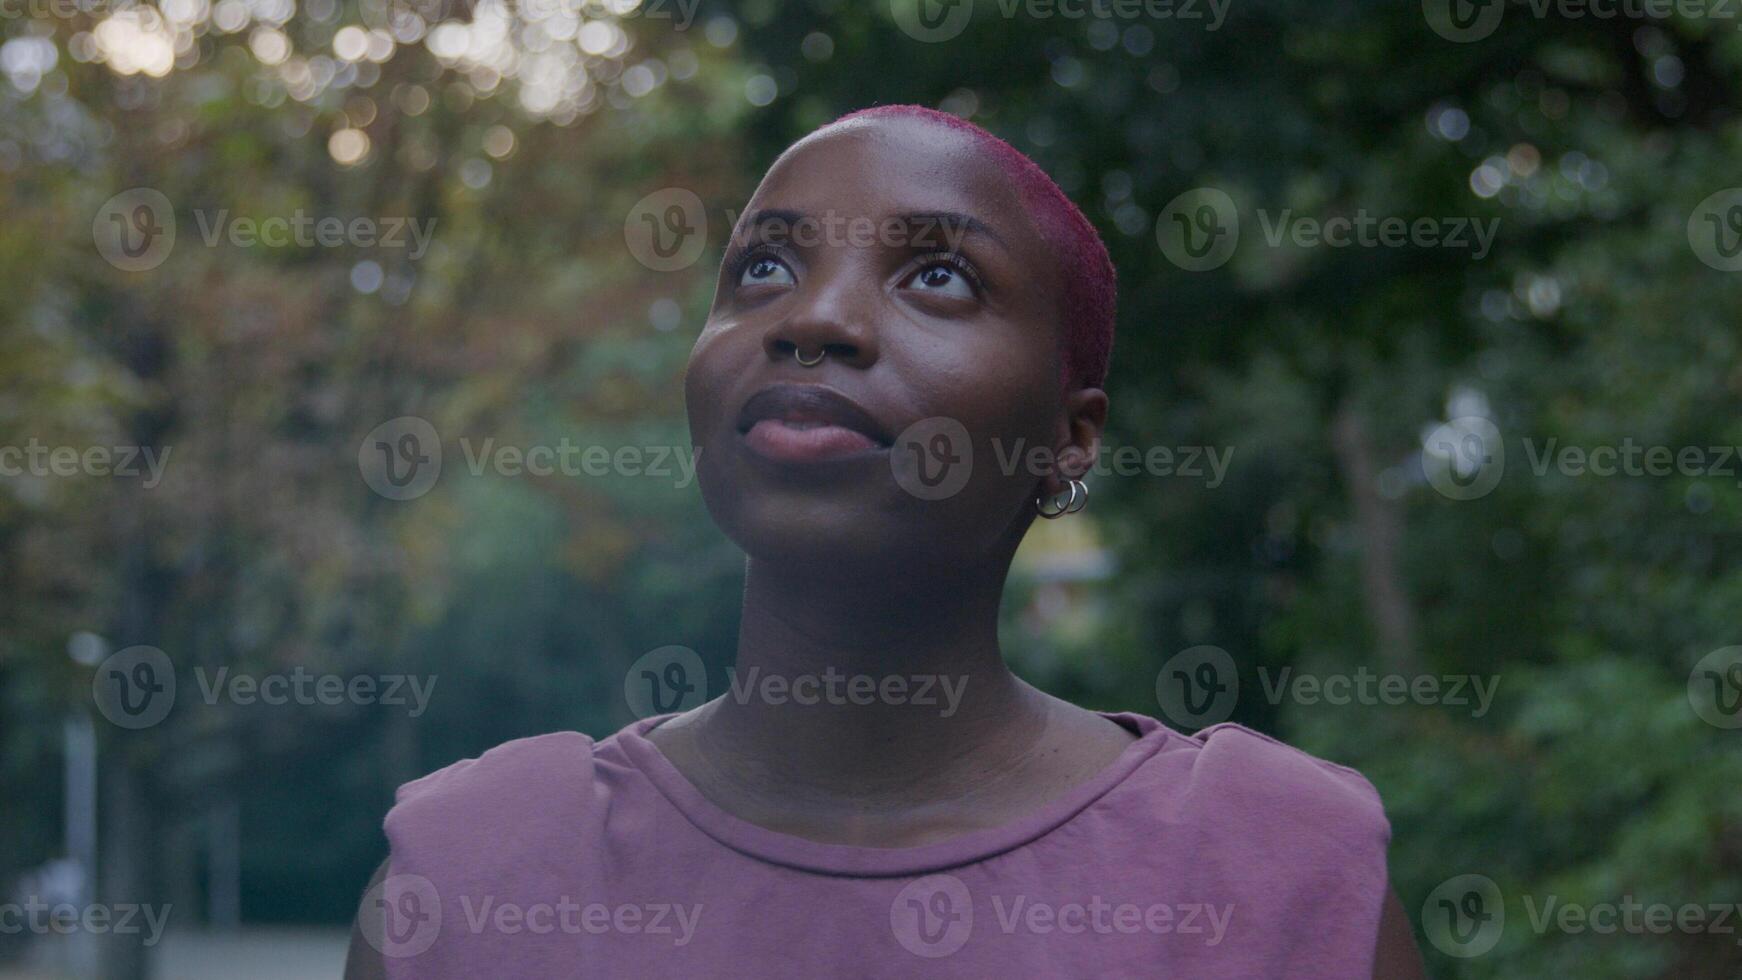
x: 870, y: 685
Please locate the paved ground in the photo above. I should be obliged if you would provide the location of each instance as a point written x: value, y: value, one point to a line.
x: 257, y: 954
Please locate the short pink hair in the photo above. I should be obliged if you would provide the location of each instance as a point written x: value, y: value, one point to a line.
x: 1090, y: 285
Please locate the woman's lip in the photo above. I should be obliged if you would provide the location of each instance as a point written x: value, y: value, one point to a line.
x: 802, y: 405
x: 806, y: 442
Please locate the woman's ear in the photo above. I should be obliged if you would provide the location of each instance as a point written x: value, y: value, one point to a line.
x: 1078, y: 444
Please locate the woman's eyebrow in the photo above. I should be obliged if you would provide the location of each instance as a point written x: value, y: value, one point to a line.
x: 937, y: 230
x: 756, y: 221
x: 953, y: 225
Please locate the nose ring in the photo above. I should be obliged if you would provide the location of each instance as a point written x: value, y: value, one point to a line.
x: 798, y: 355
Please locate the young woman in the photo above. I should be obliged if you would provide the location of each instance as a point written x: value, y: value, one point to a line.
x: 906, y: 299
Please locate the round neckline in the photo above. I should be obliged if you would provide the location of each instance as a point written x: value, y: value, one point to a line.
x: 853, y: 860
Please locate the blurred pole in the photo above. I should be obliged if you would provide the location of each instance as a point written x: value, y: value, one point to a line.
x: 1380, y: 521
x: 224, y: 866
x: 129, y: 818
x: 129, y: 833
x: 81, y: 825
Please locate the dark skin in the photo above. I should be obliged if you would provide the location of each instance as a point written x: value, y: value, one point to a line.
x: 952, y: 314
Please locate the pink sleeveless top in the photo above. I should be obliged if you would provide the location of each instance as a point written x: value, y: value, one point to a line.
x: 1222, y: 855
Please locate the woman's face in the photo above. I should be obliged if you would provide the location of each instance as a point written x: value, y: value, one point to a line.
x: 899, y: 251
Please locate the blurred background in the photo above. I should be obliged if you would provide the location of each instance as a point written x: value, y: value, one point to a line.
x: 282, y: 281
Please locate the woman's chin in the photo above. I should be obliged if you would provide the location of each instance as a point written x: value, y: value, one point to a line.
x: 830, y: 541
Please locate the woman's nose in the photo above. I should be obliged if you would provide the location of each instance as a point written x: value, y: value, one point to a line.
x: 827, y: 320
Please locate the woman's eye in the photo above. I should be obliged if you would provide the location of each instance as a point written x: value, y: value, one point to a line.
x: 943, y: 279
x: 765, y: 270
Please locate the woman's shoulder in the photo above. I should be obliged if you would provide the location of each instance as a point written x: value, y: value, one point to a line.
x: 1232, y: 777
x: 507, y: 768
x: 1262, y: 768
x: 521, y: 784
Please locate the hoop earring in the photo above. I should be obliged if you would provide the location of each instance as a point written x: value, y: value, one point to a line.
x: 1067, y: 501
